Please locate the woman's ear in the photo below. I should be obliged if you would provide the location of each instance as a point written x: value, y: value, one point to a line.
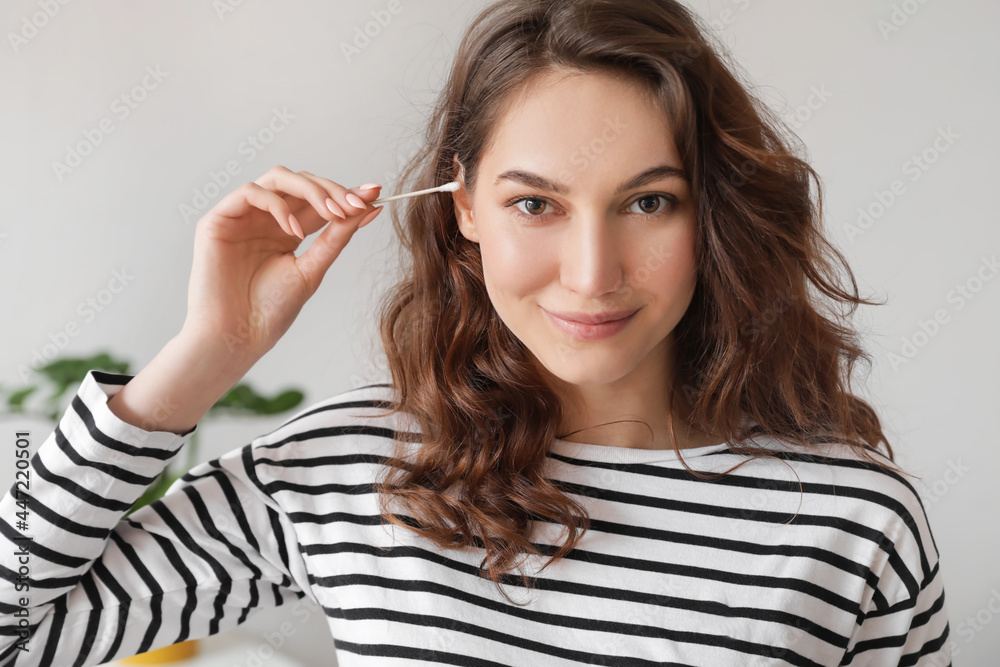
x: 463, y: 204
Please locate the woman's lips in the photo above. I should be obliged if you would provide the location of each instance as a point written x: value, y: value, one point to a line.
x: 584, y: 331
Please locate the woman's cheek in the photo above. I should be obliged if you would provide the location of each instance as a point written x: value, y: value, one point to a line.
x: 515, y: 259
x: 661, y: 266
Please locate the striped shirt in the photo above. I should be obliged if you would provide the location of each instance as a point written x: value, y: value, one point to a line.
x: 675, y: 570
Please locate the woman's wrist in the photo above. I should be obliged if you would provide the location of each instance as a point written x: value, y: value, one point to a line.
x: 179, y: 386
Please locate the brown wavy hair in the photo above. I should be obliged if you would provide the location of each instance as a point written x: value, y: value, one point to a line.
x: 755, y: 343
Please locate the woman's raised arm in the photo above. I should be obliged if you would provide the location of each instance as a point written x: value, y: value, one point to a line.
x: 81, y: 586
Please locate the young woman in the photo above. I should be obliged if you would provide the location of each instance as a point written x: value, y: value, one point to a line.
x: 619, y: 429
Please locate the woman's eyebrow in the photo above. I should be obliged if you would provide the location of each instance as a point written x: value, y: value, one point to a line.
x: 537, y: 181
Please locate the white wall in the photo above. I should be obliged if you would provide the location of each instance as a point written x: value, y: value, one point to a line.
x: 886, y: 97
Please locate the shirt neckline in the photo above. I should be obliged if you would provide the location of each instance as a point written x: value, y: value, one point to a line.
x: 613, y: 454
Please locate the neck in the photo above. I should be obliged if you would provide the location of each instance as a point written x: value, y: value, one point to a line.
x: 636, y: 411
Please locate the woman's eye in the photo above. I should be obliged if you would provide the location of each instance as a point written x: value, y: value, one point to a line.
x: 533, y: 207
x: 648, y: 204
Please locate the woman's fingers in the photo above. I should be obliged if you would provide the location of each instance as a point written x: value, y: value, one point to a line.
x: 325, y: 249
x: 363, y: 194
x: 300, y: 202
x: 264, y: 199
x: 371, y: 216
x: 242, y: 259
x: 353, y: 200
x: 316, y: 200
x: 314, y: 213
x: 343, y: 199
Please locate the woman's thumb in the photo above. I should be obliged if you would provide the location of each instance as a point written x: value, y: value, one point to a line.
x: 323, y: 252
x: 314, y: 262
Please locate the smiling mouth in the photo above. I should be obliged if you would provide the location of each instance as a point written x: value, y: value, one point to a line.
x: 595, y: 318
x: 592, y: 332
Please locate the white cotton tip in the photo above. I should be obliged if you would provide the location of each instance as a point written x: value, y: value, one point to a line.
x: 447, y: 187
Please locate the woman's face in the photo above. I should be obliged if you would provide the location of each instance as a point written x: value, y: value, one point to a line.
x: 579, y: 208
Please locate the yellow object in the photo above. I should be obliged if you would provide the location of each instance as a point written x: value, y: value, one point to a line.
x: 165, y: 656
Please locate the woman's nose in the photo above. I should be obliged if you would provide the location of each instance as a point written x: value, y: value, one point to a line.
x: 593, y: 263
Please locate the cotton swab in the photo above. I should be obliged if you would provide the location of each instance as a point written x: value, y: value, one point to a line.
x: 447, y: 187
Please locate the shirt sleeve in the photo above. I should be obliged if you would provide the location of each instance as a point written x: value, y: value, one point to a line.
x: 81, y: 585
x: 906, y: 622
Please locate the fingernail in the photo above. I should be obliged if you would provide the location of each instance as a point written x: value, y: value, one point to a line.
x: 369, y: 186
x: 332, y: 205
x: 354, y: 200
x: 371, y: 216
x: 295, y: 226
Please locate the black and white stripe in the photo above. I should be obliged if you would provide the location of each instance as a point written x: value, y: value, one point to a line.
x: 674, y: 570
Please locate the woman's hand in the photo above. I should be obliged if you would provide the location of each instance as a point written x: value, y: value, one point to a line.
x: 247, y: 286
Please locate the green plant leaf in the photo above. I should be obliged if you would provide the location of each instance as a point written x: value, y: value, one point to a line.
x: 16, y: 400
x: 240, y: 398
x: 64, y: 373
x: 71, y: 370
x: 243, y: 399
x: 284, y: 401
